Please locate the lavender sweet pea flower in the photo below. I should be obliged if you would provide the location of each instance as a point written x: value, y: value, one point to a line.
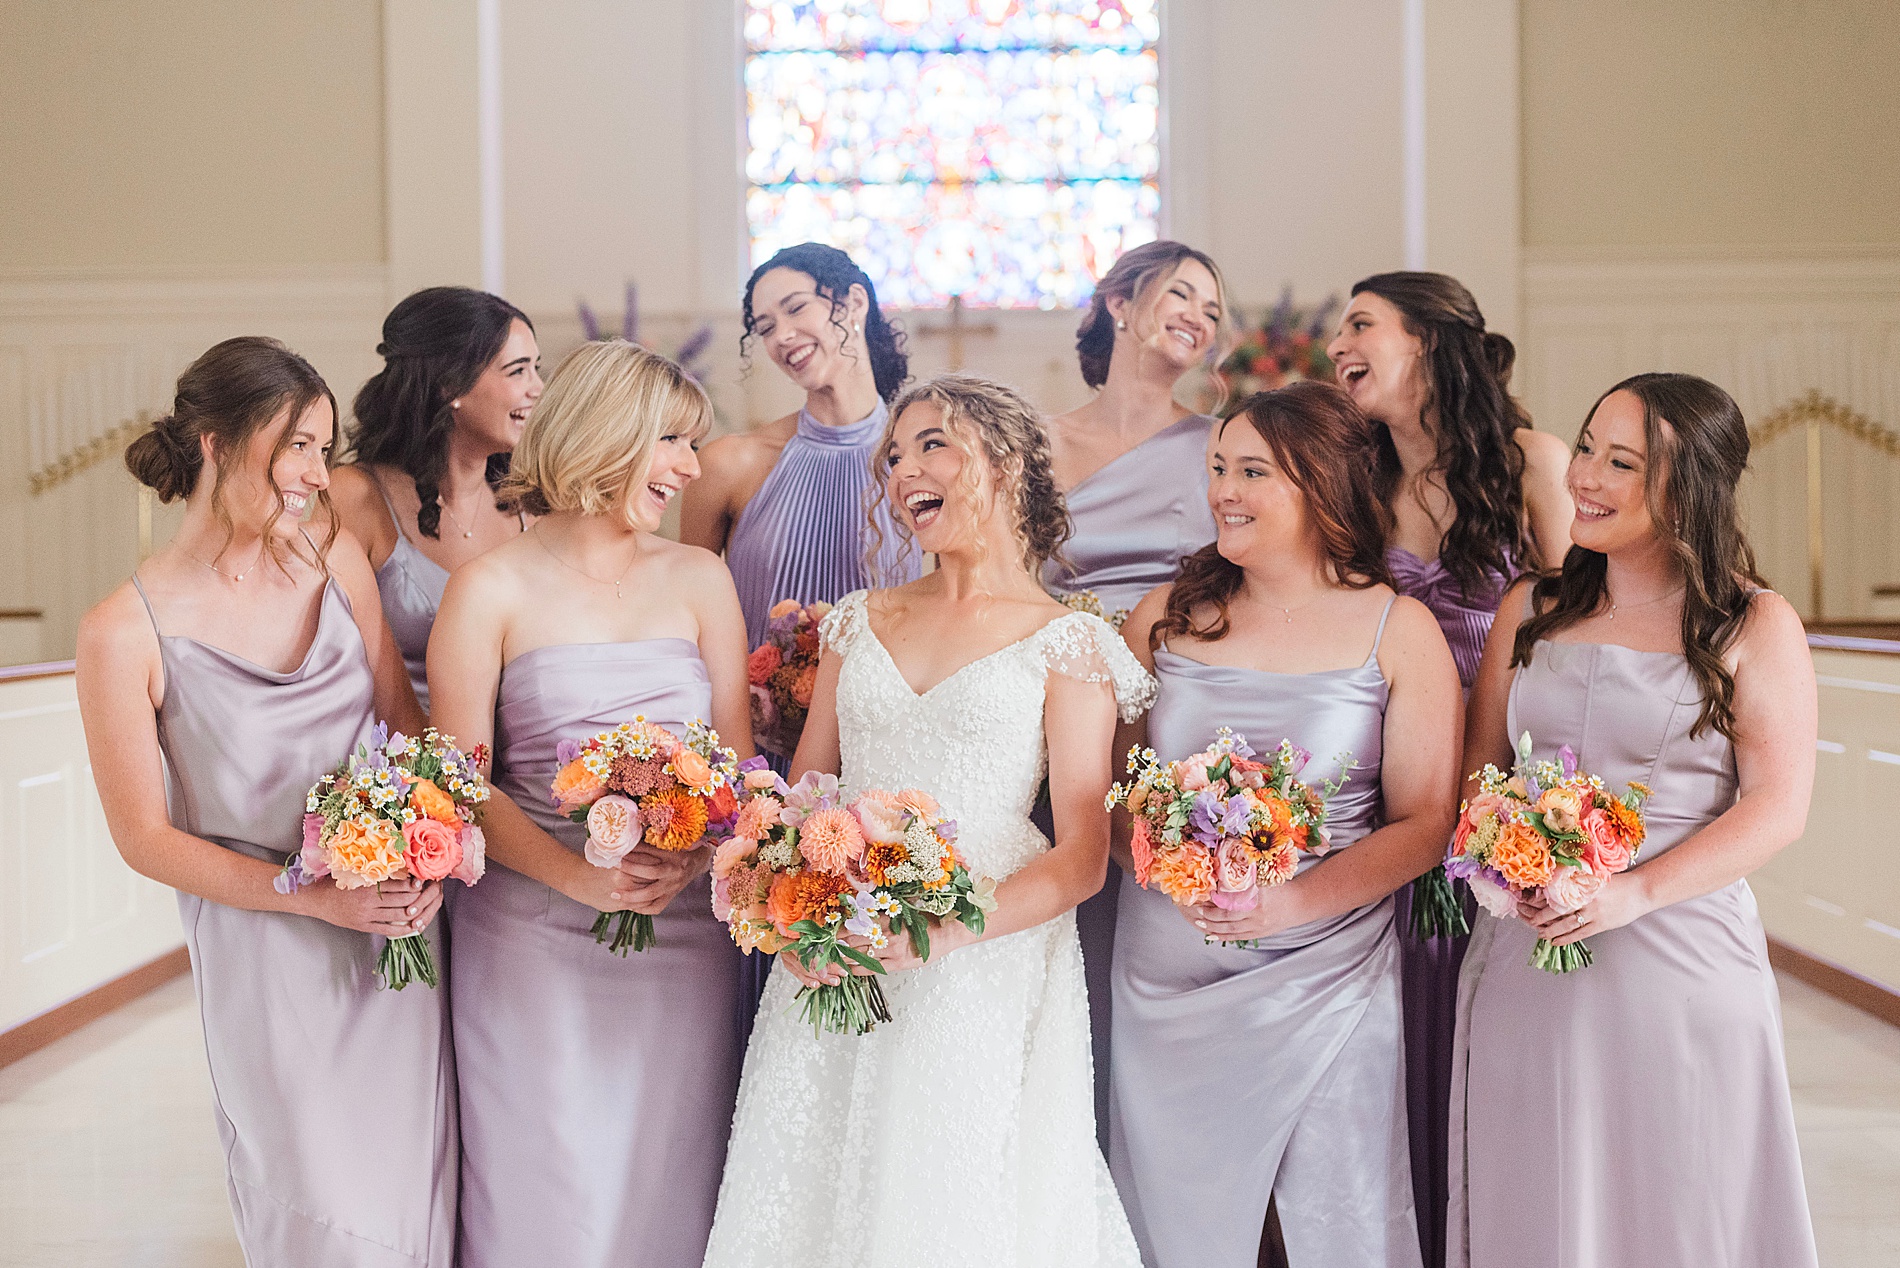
x: 1462, y: 867
x: 1567, y: 758
x: 566, y: 751
x: 947, y: 830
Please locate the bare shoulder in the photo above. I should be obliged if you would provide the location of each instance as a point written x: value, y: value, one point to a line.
x: 693, y: 565
x: 1544, y: 454
x: 1772, y: 628
x: 116, y: 628
x: 498, y: 579
x: 748, y: 452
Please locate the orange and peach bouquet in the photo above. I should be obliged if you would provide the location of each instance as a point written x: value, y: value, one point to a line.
x: 833, y: 882
x: 1546, y: 829
x: 1219, y: 826
x: 399, y: 806
x: 641, y: 785
x: 782, y: 672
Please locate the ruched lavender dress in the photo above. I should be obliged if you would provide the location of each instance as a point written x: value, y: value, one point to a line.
x: 335, y: 1100
x: 1431, y: 967
x: 1241, y: 1074
x: 598, y: 1089
x: 1635, y: 1112
x: 1135, y: 519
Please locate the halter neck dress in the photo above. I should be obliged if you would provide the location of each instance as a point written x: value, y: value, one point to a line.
x: 1242, y: 1074
x: 1431, y: 966
x: 335, y: 1101
x: 805, y: 535
x: 1136, y: 517
x: 598, y: 1089
x: 1643, y: 1100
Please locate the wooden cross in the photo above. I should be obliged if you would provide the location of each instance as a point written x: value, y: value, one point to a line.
x: 956, y: 328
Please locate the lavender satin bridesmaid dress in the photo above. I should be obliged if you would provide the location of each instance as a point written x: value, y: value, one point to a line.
x: 1277, y: 1071
x: 597, y: 1090
x: 1431, y: 967
x: 1635, y: 1112
x: 1135, y: 519
x: 335, y: 1101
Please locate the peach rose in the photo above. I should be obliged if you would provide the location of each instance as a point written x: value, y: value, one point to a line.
x: 474, y: 862
x: 1493, y: 897
x: 431, y: 848
x: 1569, y: 888
x: 427, y: 799
x: 613, y: 829
x: 783, y: 608
x: 1603, y: 846
x: 881, y: 817
x: 1186, y: 876
x: 1234, y: 866
x: 765, y: 658
x: 363, y: 854
x: 1561, y: 808
x: 693, y: 770
x: 917, y: 801
x: 575, y: 786
x: 731, y: 854
x: 1194, y: 773
x: 1521, y: 856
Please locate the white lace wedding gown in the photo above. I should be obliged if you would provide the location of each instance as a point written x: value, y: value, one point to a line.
x: 961, y: 1132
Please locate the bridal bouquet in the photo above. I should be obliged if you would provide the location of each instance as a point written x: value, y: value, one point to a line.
x: 1546, y: 828
x: 399, y: 806
x: 805, y: 870
x: 782, y: 671
x: 641, y: 784
x: 1219, y: 826
x: 1090, y: 602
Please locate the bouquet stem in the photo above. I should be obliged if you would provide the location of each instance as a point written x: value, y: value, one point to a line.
x: 853, y: 1007
x: 622, y: 930
x: 1565, y: 959
x: 405, y: 960
x: 1438, y: 907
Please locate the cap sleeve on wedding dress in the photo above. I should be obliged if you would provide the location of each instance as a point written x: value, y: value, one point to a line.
x: 841, y: 626
x: 1086, y: 647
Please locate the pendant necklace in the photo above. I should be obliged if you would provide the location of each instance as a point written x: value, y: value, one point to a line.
x: 590, y: 576
x: 233, y: 576
x: 454, y: 519
x: 1645, y: 603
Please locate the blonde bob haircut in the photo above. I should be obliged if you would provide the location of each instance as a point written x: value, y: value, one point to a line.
x: 591, y: 436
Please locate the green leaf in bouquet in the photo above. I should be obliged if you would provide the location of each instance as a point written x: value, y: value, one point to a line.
x: 863, y: 958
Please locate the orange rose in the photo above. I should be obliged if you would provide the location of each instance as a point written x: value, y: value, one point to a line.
x: 1521, y: 856
x: 804, y: 685
x: 692, y: 770
x: 426, y: 799
x: 1186, y: 876
x: 365, y: 853
x: 723, y: 803
x: 759, y: 665
x: 575, y: 785
x: 432, y: 849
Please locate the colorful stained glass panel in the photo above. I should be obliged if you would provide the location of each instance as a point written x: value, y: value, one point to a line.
x: 1001, y: 150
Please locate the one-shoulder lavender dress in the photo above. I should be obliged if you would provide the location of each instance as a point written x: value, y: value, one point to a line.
x: 597, y: 1089
x: 1431, y: 967
x: 1135, y: 519
x: 1242, y: 1074
x: 335, y: 1100
x: 1635, y: 1112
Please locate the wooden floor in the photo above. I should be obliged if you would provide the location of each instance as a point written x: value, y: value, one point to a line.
x: 108, y: 1155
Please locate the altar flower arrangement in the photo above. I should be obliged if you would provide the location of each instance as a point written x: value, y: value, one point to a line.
x: 1220, y: 825
x: 639, y: 784
x: 1287, y: 345
x: 782, y: 671
x: 399, y: 806
x: 804, y: 869
x: 1546, y: 828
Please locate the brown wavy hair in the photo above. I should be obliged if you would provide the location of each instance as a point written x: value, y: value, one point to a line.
x: 228, y: 395
x: 1322, y: 441
x: 994, y: 423
x: 1698, y: 449
x: 1468, y: 392
x: 1133, y: 277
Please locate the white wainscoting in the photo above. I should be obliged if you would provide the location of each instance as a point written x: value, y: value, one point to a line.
x: 73, y: 916
x: 81, y: 353
x: 1769, y: 329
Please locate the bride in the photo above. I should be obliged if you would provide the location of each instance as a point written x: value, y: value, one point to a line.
x: 962, y: 1131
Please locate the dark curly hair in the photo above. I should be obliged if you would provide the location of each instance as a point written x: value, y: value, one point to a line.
x: 1698, y: 449
x: 995, y: 422
x: 1132, y: 278
x: 1467, y: 391
x: 436, y: 343
x: 1325, y: 445
x: 833, y: 274
x: 229, y: 394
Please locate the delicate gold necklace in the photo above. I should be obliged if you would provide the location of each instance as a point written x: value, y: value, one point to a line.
x: 590, y: 576
x: 231, y: 576
x: 1645, y: 603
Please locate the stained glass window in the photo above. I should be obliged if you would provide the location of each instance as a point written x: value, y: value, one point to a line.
x: 1006, y: 151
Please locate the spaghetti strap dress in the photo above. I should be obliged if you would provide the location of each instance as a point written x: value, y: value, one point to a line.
x: 1273, y: 1071
x: 1635, y: 1111
x: 336, y: 1101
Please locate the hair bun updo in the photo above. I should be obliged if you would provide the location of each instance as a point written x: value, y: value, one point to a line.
x: 164, y: 460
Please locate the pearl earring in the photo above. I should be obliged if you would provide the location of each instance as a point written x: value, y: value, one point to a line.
x: 455, y: 405
x: 1121, y: 325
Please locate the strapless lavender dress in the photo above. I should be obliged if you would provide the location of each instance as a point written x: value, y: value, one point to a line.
x: 1635, y: 1112
x: 598, y: 1089
x: 1242, y: 1074
x: 1431, y: 966
x: 335, y: 1100
x: 1135, y: 519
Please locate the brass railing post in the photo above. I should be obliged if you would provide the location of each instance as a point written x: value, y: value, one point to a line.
x: 1817, y: 552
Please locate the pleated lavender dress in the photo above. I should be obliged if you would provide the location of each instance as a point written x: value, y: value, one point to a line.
x: 1240, y: 1074
x: 1635, y: 1112
x: 1135, y: 519
x: 598, y: 1089
x: 335, y: 1100
x: 1431, y: 967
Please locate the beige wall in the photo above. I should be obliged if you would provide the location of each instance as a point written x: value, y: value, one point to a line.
x: 1710, y: 123
x: 210, y: 136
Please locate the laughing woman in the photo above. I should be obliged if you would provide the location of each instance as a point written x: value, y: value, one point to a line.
x: 593, y: 1087
x: 1650, y: 1088
x: 242, y: 661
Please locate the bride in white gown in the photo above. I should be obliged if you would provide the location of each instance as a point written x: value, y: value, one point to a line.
x: 962, y: 1131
